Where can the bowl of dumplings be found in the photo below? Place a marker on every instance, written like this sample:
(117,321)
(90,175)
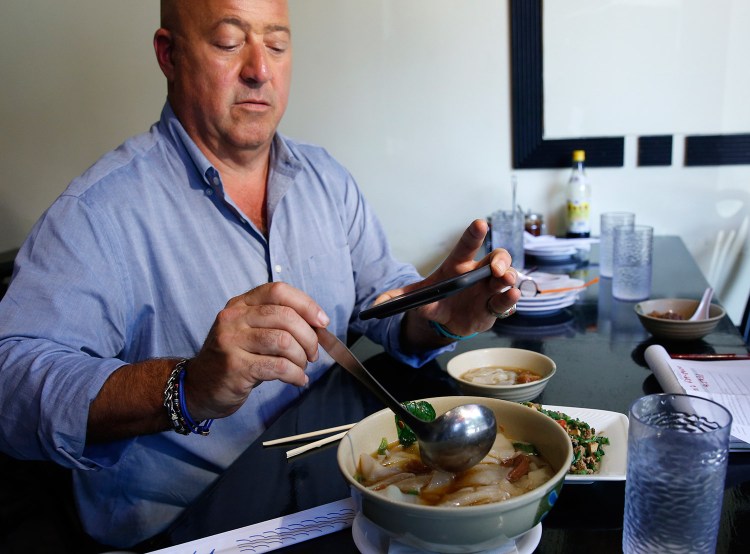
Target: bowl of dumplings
(500,500)
(512,374)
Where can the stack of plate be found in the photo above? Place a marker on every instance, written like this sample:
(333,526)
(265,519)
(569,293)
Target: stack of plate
(544,304)
(551,253)
(547,248)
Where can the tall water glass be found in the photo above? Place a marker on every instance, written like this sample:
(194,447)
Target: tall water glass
(632,253)
(607,223)
(677,462)
(507,227)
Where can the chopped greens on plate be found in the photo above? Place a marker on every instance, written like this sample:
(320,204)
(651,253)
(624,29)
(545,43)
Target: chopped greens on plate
(587,445)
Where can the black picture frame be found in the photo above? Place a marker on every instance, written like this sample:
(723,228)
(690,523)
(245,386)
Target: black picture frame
(532,151)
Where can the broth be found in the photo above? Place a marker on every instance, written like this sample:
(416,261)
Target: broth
(510,469)
(497,375)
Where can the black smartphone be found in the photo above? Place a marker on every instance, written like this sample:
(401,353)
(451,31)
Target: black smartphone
(425,295)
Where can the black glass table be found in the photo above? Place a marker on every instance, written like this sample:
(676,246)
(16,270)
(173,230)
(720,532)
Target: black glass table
(597,344)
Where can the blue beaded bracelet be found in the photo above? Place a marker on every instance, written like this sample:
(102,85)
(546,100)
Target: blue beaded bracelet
(443,331)
(198,429)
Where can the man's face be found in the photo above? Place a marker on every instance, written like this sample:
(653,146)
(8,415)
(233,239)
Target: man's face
(231,73)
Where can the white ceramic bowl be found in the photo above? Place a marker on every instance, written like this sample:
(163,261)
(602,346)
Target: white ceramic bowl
(674,329)
(503,357)
(469,528)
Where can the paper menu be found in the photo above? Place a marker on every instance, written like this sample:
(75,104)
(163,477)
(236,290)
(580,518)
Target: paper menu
(726,382)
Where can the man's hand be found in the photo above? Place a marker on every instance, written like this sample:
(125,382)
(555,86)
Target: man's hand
(472,310)
(263,335)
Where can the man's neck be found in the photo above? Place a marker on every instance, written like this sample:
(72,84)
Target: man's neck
(248,190)
(245,180)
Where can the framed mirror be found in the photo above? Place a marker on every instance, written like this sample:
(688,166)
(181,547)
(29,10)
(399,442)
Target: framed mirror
(533,149)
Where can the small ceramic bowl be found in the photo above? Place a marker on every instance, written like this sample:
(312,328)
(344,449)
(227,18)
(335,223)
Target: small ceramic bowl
(677,329)
(503,358)
(468,528)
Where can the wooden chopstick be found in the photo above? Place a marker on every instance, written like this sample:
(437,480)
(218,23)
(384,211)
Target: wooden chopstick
(309,435)
(312,445)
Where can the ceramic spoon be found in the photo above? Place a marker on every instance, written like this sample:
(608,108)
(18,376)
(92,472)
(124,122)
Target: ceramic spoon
(701,311)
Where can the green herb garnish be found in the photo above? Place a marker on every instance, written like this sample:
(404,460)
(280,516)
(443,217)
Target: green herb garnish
(419,409)
(526,447)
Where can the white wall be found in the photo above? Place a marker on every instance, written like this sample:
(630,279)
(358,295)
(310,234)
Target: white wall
(76,78)
(413,97)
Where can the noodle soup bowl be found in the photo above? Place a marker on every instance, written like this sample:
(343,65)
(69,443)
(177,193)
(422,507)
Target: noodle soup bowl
(466,528)
(518,358)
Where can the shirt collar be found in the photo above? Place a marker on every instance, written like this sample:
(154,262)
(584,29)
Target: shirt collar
(172,127)
(283,162)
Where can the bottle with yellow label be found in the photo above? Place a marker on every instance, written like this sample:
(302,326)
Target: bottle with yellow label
(578,199)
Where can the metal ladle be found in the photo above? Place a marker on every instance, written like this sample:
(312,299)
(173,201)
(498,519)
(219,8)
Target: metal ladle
(455,441)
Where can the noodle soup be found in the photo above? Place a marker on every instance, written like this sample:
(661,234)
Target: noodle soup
(512,374)
(509,469)
(498,375)
(469,528)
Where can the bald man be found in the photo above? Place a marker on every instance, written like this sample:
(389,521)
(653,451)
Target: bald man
(190,266)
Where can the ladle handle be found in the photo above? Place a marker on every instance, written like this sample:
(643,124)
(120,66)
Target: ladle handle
(344,357)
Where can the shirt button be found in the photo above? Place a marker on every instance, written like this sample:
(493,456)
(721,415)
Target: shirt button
(278,268)
(209,192)
(216,180)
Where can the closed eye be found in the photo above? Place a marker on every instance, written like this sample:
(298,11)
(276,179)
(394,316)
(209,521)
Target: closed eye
(229,47)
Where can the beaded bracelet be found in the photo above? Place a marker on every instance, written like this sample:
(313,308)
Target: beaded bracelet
(174,402)
(443,331)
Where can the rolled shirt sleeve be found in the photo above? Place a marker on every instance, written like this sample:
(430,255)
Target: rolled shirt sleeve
(63,331)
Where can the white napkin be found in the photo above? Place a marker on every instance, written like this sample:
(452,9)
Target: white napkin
(549,245)
(274,533)
(551,241)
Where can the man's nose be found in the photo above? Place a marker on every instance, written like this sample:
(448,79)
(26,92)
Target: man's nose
(255,67)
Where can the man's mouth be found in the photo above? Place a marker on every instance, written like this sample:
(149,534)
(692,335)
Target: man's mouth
(254,102)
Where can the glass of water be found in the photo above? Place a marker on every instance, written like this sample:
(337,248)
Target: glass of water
(632,254)
(507,227)
(677,462)
(608,222)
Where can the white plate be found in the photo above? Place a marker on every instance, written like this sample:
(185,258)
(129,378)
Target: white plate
(551,253)
(610,424)
(568,282)
(548,279)
(370,539)
(546,299)
(554,284)
(545,309)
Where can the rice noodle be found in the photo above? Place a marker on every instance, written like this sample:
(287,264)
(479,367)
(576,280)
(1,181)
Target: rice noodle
(505,472)
(471,496)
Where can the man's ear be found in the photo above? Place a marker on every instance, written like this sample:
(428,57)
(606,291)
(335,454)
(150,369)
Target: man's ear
(164,49)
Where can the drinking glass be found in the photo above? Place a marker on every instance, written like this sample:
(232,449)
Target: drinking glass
(608,222)
(677,462)
(632,253)
(507,232)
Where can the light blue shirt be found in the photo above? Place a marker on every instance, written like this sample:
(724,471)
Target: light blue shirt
(132,262)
